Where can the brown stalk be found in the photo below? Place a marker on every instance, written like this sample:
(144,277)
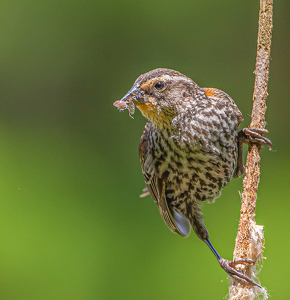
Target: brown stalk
(250,237)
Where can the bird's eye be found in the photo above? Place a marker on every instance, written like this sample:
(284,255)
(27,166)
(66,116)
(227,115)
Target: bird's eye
(160,85)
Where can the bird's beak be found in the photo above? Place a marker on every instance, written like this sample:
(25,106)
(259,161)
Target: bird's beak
(136,95)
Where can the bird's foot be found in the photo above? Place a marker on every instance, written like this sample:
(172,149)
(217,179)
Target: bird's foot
(229,267)
(247,136)
(255,135)
(145,192)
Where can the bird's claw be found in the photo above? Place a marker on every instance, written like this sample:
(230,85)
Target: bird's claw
(254,135)
(247,136)
(145,192)
(229,267)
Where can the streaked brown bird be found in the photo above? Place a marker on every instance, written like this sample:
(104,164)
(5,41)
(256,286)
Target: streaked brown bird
(190,149)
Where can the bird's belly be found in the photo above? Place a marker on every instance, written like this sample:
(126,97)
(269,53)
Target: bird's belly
(192,174)
(193,184)
(195,176)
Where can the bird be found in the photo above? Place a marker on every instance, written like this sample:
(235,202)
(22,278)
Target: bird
(190,150)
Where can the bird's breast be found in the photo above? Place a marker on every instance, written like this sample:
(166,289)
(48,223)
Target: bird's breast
(191,173)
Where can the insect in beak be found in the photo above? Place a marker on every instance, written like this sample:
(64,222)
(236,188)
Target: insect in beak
(134,96)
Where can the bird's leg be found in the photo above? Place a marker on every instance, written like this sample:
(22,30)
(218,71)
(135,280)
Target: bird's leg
(240,169)
(249,135)
(229,265)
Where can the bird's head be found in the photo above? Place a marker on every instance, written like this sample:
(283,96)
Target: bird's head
(160,95)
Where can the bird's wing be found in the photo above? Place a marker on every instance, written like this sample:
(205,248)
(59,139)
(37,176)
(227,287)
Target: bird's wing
(156,187)
(216,93)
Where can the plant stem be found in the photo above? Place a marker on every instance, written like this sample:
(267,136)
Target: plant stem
(250,238)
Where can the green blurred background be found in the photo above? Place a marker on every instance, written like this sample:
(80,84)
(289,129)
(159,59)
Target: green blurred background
(72,225)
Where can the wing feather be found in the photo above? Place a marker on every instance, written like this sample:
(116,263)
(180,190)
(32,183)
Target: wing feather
(156,186)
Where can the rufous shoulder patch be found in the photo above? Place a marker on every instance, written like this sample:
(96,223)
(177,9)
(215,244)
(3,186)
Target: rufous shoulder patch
(211,92)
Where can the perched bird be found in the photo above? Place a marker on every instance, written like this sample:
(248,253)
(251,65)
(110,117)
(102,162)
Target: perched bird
(190,149)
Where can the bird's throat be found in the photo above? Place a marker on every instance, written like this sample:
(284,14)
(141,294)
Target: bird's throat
(154,114)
